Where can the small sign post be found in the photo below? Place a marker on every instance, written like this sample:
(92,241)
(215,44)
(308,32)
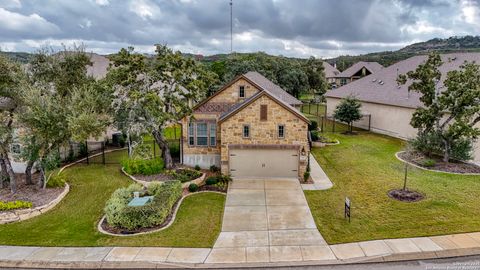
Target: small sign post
(347,208)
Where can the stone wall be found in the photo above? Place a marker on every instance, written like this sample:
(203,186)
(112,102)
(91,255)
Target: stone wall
(263,132)
(230,94)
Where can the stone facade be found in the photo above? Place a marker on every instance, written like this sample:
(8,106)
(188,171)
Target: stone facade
(205,156)
(264,132)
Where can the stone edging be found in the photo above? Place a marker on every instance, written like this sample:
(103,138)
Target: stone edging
(24,214)
(320,144)
(172,219)
(425,169)
(146,183)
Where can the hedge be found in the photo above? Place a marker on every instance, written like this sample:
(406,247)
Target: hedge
(120,215)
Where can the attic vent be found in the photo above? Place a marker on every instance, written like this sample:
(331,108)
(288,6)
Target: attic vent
(374,80)
(454,58)
(381,82)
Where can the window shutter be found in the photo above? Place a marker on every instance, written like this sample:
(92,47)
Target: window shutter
(263,112)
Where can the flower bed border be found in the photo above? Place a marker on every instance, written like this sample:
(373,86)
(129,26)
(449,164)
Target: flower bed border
(146,183)
(321,144)
(24,214)
(426,169)
(161,228)
(28,213)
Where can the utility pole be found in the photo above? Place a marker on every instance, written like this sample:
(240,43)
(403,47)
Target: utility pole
(231,26)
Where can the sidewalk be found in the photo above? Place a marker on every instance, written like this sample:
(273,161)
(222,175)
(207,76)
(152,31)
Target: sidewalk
(152,257)
(319,177)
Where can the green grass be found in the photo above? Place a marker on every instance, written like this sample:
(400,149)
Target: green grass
(314,109)
(364,168)
(73,222)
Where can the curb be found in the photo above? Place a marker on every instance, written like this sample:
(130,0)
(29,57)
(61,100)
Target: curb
(430,170)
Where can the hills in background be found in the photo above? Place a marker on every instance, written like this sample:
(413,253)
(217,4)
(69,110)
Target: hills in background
(386,58)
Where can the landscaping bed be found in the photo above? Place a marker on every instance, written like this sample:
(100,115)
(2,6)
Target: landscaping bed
(436,163)
(30,193)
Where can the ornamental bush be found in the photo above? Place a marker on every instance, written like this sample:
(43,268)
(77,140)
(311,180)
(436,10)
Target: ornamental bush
(193,187)
(120,215)
(57,180)
(5,206)
(212,180)
(143,166)
(185,175)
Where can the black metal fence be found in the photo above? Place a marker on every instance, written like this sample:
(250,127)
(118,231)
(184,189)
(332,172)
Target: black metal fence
(330,124)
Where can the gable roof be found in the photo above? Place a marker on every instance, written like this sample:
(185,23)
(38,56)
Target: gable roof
(330,71)
(373,67)
(262,83)
(382,88)
(267,85)
(248,101)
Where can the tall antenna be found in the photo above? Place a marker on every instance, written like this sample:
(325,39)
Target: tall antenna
(231,26)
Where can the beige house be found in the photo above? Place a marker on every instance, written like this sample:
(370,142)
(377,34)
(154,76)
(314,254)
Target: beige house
(391,106)
(249,128)
(331,72)
(357,71)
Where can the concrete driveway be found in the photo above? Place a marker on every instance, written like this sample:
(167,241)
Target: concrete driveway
(267,220)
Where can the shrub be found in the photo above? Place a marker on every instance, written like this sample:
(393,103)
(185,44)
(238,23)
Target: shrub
(197,167)
(120,215)
(313,125)
(462,149)
(212,180)
(143,166)
(185,175)
(57,180)
(214,169)
(142,151)
(314,135)
(174,149)
(306,175)
(224,178)
(193,187)
(428,163)
(5,206)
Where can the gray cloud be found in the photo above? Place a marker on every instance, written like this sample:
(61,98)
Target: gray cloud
(302,28)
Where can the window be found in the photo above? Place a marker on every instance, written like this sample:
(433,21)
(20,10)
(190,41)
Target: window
(246,131)
(241,91)
(281,131)
(191,136)
(202,137)
(213,134)
(263,112)
(343,81)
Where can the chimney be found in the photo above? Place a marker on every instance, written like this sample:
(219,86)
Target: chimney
(335,64)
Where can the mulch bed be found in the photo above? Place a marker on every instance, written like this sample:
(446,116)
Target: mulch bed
(213,188)
(440,165)
(162,177)
(405,195)
(30,193)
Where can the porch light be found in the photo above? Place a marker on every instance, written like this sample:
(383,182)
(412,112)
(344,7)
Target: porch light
(303,152)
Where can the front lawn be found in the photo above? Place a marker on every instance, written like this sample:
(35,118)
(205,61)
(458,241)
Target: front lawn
(364,168)
(73,222)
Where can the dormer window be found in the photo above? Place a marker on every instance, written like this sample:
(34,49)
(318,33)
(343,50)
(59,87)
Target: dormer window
(241,91)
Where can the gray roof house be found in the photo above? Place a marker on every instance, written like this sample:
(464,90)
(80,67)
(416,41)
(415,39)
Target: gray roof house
(389,104)
(357,71)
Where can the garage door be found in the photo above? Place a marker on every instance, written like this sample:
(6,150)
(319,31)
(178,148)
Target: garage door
(264,163)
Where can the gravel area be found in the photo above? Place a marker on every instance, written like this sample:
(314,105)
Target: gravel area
(31,193)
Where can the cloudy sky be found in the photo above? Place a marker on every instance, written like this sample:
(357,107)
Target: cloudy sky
(323,28)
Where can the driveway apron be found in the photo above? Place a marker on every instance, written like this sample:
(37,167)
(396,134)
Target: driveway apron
(264,221)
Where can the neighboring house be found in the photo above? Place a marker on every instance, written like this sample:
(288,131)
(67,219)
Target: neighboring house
(391,106)
(357,71)
(331,72)
(249,128)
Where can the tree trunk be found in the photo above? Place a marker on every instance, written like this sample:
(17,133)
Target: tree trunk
(4,174)
(446,154)
(28,172)
(42,183)
(9,170)
(162,142)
